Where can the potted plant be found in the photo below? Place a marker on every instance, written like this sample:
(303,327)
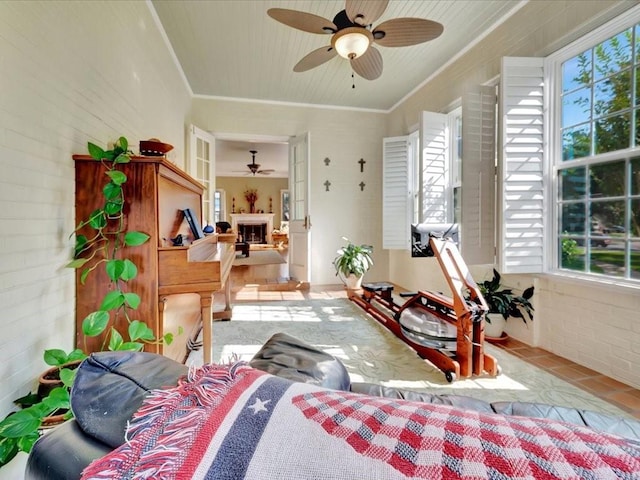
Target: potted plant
(503,303)
(352,262)
(100,241)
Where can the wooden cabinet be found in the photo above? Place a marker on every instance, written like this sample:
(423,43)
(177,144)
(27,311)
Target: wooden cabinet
(156,193)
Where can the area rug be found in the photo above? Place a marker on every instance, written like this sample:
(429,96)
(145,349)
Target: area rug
(259,257)
(373,354)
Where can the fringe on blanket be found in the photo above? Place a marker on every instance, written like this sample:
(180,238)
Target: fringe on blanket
(181,411)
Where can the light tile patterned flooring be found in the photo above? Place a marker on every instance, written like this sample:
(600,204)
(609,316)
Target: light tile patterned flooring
(608,389)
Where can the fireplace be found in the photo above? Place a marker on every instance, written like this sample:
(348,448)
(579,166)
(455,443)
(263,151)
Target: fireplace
(253,233)
(254,227)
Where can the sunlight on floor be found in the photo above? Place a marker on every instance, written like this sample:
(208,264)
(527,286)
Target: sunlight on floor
(302,313)
(371,353)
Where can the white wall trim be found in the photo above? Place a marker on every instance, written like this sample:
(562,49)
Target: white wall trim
(172,52)
(455,58)
(287,104)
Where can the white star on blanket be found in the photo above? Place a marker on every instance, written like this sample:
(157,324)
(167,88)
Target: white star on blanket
(259,406)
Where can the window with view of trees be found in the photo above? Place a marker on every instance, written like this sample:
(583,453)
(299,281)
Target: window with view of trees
(598,170)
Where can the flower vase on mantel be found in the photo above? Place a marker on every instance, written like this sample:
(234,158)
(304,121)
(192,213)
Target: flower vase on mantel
(252,208)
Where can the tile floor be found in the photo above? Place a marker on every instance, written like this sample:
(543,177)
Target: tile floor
(608,389)
(617,393)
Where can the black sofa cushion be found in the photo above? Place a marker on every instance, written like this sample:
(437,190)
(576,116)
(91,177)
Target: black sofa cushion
(110,386)
(288,357)
(459,401)
(63,453)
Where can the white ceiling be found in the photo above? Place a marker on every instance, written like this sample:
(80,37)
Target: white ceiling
(233,49)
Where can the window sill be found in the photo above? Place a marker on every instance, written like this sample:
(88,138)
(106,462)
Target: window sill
(608,283)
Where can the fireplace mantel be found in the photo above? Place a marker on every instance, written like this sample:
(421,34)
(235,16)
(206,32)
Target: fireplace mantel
(253,219)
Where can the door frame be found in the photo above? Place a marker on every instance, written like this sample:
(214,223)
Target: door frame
(260,138)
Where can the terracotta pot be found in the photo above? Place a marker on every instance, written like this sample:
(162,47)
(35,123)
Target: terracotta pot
(50,378)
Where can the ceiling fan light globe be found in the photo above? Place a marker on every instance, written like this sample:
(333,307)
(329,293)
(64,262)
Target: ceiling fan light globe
(351,42)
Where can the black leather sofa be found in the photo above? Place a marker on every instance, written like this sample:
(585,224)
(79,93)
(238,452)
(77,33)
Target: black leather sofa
(110,386)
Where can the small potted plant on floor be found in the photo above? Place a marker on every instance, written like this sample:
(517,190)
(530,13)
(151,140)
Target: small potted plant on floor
(352,262)
(503,303)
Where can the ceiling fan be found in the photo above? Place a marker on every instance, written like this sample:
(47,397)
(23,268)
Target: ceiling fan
(255,167)
(353,34)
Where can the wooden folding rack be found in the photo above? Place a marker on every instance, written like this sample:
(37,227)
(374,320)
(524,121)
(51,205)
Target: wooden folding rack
(465,309)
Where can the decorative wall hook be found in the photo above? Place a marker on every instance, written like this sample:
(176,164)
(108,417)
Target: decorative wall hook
(362,162)
(327,184)
(361,185)
(327,161)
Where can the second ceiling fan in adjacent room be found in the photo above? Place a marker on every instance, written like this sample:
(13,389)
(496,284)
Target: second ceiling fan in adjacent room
(254,168)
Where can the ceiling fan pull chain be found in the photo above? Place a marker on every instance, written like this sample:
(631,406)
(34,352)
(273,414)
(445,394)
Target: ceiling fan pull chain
(353,80)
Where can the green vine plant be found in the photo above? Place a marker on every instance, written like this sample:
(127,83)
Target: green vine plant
(109,236)
(101,249)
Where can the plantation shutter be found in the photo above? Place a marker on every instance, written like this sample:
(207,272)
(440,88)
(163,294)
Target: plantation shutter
(433,144)
(396,194)
(521,199)
(477,231)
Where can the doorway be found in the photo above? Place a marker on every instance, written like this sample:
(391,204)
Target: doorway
(250,166)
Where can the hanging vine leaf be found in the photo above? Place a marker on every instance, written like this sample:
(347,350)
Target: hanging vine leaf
(131,346)
(123,143)
(133,239)
(95,323)
(111,191)
(97,219)
(77,263)
(81,243)
(114,269)
(122,158)
(113,208)
(112,300)
(95,151)
(117,177)
(140,331)
(132,299)
(116,340)
(129,271)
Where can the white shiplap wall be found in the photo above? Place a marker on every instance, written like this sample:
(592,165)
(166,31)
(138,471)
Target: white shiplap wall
(69,72)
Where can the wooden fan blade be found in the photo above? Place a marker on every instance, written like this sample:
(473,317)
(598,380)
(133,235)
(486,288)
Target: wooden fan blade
(369,65)
(307,22)
(266,172)
(315,58)
(402,32)
(365,12)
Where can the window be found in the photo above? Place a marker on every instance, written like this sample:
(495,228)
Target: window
(455,163)
(439,167)
(202,168)
(219,208)
(428,178)
(596,159)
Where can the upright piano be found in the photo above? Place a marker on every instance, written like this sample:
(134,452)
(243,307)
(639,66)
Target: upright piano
(176,284)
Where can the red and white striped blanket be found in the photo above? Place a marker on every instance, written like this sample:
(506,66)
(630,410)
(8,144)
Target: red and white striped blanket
(234,422)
